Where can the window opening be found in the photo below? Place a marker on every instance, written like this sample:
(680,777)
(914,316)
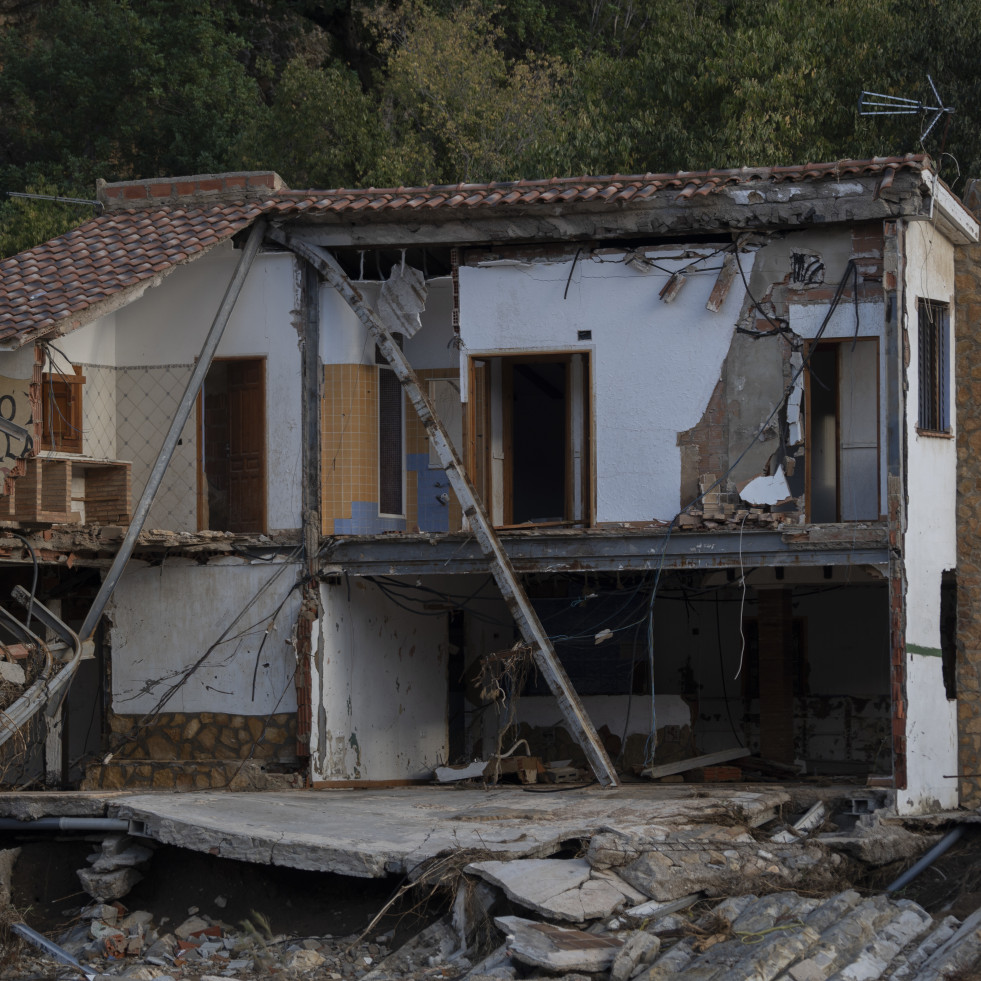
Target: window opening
(529,437)
(843,431)
(934,331)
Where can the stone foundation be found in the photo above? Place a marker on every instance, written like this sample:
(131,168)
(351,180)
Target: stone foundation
(184,736)
(183,776)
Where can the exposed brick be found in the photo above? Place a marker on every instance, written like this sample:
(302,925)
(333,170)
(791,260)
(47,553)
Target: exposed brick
(161,190)
(134,191)
(214,184)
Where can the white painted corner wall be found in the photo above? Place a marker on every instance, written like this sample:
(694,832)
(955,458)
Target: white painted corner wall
(930,544)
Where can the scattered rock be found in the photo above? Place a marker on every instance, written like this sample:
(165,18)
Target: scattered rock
(639,948)
(303,960)
(108,885)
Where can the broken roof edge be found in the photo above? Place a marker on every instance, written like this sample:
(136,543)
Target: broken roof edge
(951,215)
(195,190)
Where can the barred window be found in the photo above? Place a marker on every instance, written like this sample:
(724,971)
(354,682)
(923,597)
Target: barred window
(934,348)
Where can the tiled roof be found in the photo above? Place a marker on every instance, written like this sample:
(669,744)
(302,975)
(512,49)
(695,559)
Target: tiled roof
(102,258)
(615,190)
(75,275)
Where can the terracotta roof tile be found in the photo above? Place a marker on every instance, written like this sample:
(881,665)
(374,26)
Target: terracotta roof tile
(70,274)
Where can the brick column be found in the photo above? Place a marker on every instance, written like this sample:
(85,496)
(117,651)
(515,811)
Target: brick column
(967,319)
(776,675)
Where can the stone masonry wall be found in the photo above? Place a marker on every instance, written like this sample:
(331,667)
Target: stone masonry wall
(968,374)
(204,736)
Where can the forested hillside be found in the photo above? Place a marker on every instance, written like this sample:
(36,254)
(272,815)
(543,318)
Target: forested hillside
(363,92)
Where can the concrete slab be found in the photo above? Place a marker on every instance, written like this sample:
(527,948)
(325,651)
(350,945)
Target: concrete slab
(374,833)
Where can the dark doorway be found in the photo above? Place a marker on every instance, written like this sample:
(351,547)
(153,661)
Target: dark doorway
(538,441)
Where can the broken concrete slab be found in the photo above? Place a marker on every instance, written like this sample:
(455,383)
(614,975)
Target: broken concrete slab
(559,889)
(666,864)
(554,948)
(381,832)
(878,839)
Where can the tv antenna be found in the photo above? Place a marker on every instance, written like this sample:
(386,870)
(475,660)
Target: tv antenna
(880,104)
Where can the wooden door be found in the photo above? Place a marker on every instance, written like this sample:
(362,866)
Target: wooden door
(233,459)
(246,446)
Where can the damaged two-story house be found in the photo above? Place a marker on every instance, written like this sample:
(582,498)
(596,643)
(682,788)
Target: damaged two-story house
(633,468)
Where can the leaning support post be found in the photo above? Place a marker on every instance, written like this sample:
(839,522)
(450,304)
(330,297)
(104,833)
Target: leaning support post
(176,428)
(500,565)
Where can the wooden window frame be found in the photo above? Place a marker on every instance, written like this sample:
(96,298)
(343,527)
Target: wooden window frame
(933,337)
(67,435)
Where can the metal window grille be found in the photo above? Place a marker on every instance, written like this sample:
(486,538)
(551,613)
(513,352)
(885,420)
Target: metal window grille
(934,383)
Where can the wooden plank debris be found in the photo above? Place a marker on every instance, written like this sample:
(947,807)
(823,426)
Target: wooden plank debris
(811,821)
(694,763)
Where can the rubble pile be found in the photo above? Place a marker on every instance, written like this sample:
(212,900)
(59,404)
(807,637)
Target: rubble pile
(680,899)
(107,940)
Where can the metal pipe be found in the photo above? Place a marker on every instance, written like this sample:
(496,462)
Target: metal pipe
(176,428)
(65,824)
(928,859)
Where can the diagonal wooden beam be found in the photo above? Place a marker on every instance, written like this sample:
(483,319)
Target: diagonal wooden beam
(500,565)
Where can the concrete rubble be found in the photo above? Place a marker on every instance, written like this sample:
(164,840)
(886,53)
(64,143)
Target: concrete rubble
(749,895)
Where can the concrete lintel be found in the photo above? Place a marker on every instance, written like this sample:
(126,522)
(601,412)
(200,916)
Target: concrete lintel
(745,207)
(457,553)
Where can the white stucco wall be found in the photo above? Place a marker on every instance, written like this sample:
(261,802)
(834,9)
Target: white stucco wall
(168,325)
(164,618)
(152,344)
(653,364)
(379,688)
(930,544)
(344,339)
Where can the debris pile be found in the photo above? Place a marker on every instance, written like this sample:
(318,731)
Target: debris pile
(742,896)
(107,940)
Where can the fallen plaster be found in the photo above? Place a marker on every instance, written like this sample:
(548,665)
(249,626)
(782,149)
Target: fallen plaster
(765,490)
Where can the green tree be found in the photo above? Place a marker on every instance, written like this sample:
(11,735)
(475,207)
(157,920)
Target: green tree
(456,108)
(111,89)
(320,130)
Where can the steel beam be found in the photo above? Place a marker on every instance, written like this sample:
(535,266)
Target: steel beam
(176,428)
(504,574)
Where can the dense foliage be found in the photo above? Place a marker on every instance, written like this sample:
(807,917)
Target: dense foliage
(361,92)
